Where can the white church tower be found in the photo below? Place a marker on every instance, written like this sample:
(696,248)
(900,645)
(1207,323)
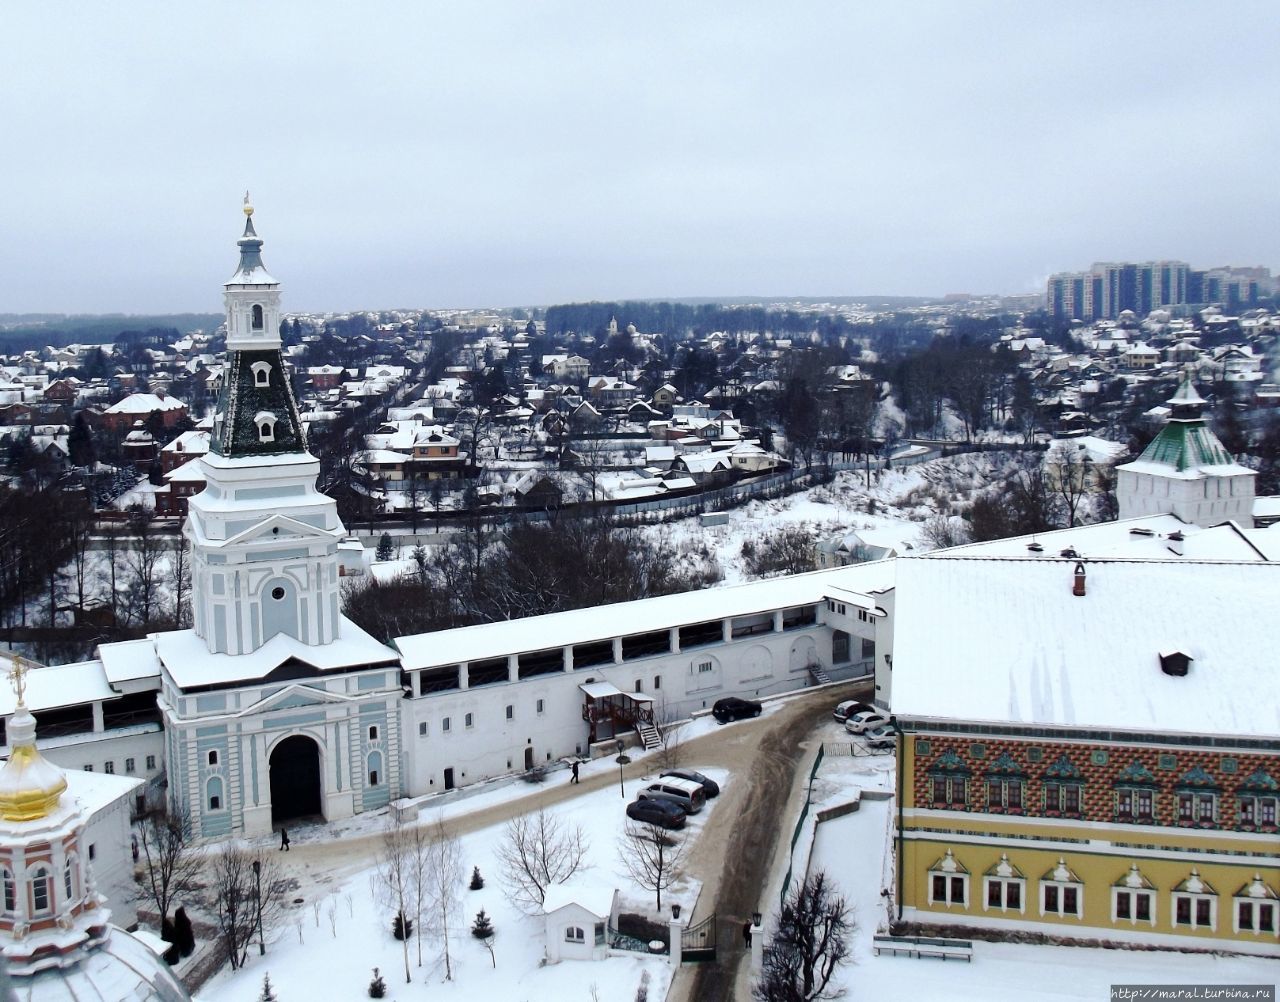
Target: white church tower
(263,539)
(1186,471)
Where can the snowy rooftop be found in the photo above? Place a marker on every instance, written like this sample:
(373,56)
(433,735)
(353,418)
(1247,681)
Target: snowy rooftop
(128,660)
(145,403)
(190,664)
(1005,640)
(595,898)
(583,626)
(60,685)
(1147,537)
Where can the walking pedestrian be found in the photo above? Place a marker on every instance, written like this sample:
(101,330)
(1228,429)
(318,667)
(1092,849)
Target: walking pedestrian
(284,839)
(575,771)
(746,935)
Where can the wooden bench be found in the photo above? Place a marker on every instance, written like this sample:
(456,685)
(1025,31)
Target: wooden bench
(922,946)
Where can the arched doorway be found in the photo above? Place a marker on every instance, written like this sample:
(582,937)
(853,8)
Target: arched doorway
(295,779)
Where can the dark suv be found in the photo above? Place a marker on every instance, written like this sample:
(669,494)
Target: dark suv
(664,813)
(733,708)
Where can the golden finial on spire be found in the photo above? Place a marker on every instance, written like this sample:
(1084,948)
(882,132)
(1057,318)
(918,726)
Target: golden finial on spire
(18,677)
(248,206)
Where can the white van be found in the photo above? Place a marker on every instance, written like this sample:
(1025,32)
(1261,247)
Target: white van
(684,792)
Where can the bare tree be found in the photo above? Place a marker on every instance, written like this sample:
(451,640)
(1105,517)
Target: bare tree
(171,867)
(443,878)
(395,875)
(811,941)
(419,877)
(536,851)
(181,577)
(668,722)
(111,536)
(1070,472)
(249,896)
(652,856)
(142,563)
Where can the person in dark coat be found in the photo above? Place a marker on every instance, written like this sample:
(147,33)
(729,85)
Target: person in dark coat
(575,771)
(284,839)
(746,935)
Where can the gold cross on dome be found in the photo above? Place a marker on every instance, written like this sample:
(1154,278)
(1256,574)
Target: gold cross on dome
(18,677)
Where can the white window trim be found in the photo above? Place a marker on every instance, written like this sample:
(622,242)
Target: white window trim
(1253,904)
(1193,898)
(1004,894)
(1133,909)
(1063,885)
(575,934)
(948,902)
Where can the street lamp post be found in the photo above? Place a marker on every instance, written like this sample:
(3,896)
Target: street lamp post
(257,904)
(622,760)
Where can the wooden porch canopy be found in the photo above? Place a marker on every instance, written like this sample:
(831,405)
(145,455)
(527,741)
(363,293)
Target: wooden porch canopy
(609,711)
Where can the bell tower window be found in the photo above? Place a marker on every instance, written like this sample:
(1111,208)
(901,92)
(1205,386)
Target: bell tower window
(265,422)
(261,373)
(256,320)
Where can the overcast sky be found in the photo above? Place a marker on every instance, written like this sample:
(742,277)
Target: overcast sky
(471,153)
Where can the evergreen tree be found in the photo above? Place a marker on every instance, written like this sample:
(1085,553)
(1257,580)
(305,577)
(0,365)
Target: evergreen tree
(80,442)
(482,927)
(477,881)
(401,926)
(184,936)
(384,550)
(377,987)
(268,995)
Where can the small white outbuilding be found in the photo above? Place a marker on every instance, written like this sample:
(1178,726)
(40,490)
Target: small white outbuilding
(578,917)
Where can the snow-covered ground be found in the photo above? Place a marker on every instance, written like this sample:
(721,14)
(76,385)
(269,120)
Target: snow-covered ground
(338,965)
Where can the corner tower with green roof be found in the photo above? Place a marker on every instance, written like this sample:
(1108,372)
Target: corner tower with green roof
(263,539)
(1186,471)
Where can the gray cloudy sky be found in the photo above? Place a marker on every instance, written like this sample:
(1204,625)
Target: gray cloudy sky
(485,153)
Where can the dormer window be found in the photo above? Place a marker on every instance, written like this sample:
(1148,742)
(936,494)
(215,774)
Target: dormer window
(256,322)
(265,422)
(261,373)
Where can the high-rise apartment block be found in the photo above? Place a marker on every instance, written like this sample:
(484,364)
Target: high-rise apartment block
(1109,288)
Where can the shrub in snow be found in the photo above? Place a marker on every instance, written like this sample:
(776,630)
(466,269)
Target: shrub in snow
(402,926)
(477,881)
(482,927)
(267,994)
(377,987)
(384,550)
(184,936)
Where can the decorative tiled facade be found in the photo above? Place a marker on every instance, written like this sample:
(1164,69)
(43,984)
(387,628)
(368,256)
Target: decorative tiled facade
(1100,772)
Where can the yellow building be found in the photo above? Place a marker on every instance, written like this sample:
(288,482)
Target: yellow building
(1089,748)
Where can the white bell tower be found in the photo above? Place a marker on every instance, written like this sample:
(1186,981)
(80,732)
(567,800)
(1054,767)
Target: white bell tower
(263,539)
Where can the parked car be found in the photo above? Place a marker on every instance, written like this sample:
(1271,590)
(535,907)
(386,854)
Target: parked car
(709,786)
(880,738)
(733,708)
(864,720)
(851,706)
(657,811)
(684,792)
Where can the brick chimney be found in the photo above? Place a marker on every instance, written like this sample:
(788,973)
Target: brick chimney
(1077,587)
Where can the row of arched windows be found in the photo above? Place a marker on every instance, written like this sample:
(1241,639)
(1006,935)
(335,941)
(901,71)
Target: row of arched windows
(37,884)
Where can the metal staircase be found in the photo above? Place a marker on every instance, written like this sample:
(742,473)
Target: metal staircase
(819,675)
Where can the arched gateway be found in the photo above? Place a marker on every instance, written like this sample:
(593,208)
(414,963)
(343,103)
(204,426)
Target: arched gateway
(295,779)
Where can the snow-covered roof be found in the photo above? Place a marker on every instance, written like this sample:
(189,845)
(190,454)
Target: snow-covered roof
(190,472)
(1005,640)
(190,665)
(595,898)
(145,403)
(1146,537)
(60,685)
(583,626)
(128,660)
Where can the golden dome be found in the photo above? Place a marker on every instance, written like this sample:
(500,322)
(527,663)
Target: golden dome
(30,785)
